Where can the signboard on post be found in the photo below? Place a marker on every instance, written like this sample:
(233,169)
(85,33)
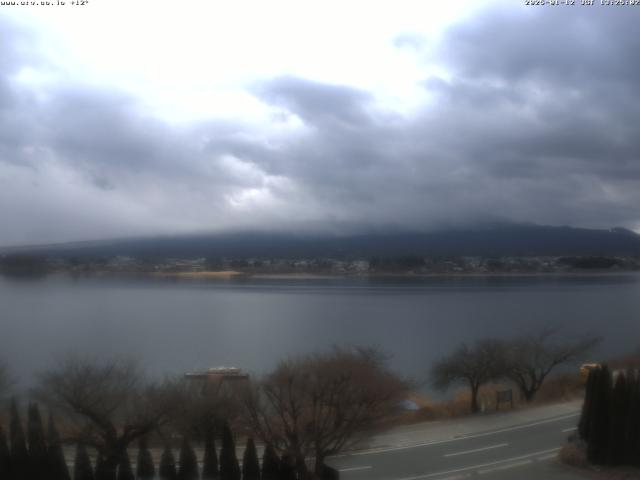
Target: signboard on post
(504,396)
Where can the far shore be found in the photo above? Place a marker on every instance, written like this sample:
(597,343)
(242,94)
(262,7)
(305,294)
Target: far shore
(222,274)
(203,274)
(303,276)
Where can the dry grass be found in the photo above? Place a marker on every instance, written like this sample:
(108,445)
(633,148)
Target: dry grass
(561,387)
(206,274)
(459,405)
(572,454)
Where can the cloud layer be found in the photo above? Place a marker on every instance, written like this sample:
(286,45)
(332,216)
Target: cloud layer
(533,119)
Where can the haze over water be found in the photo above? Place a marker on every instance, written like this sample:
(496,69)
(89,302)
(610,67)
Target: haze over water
(175,326)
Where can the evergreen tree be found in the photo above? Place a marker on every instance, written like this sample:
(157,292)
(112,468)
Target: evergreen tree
(4,455)
(329,473)
(632,449)
(619,416)
(107,466)
(82,469)
(250,463)
(167,469)
(270,464)
(599,424)
(55,455)
(210,459)
(188,462)
(101,472)
(125,472)
(145,470)
(587,405)
(38,467)
(229,468)
(19,460)
(287,468)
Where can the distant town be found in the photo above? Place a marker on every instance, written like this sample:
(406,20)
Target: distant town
(398,265)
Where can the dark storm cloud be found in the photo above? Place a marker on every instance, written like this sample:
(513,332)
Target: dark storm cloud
(316,103)
(535,120)
(567,46)
(80,161)
(558,93)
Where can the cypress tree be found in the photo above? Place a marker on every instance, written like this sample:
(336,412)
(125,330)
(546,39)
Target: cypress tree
(82,469)
(587,405)
(145,470)
(287,468)
(167,469)
(107,466)
(329,473)
(4,455)
(55,455)
(38,467)
(597,447)
(619,416)
(632,450)
(19,460)
(101,472)
(229,468)
(188,462)
(250,463)
(125,472)
(270,464)
(210,459)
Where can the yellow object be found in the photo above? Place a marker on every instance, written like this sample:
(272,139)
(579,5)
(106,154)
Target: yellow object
(587,367)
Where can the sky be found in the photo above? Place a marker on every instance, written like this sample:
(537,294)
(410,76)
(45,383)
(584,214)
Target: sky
(132,118)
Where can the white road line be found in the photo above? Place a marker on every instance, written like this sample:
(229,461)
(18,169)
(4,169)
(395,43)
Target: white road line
(519,427)
(476,450)
(484,465)
(569,429)
(375,451)
(548,457)
(505,467)
(355,469)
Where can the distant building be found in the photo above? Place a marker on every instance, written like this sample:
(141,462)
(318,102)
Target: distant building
(213,378)
(226,373)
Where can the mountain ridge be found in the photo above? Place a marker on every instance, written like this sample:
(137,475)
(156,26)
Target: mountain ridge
(503,240)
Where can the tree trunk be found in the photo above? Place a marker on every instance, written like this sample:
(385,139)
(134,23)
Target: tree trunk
(475,408)
(111,461)
(528,391)
(528,394)
(107,470)
(301,468)
(319,465)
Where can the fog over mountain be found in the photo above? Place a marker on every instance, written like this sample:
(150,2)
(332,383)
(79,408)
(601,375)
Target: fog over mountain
(503,114)
(495,240)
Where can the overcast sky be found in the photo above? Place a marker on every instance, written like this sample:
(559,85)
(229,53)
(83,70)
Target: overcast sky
(141,117)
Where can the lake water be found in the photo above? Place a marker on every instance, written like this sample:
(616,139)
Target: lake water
(175,326)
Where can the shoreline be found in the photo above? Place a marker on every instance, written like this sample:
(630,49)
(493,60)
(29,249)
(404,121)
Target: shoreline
(328,276)
(203,274)
(302,276)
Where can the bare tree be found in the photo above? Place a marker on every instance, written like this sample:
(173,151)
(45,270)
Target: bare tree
(530,359)
(108,403)
(201,409)
(473,365)
(319,405)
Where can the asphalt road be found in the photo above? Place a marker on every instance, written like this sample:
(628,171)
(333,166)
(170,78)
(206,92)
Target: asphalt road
(519,450)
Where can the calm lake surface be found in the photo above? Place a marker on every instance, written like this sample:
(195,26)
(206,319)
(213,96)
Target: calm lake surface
(175,326)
